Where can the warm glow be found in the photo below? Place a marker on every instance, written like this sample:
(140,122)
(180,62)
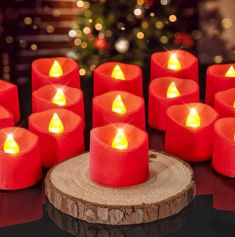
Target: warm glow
(118,106)
(172,91)
(193,120)
(10,146)
(56,70)
(117,73)
(230,72)
(56,125)
(59,98)
(120,141)
(234,104)
(174,63)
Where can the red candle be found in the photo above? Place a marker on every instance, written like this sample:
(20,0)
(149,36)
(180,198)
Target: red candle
(61,70)
(223,160)
(219,77)
(58,96)
(9,99)
(189,131)
(20,164)
(21,206)
(175,63)
(167,91)
(118,155)
(118,76)
(60,134)
(6,118)
(225,103)
(118,106)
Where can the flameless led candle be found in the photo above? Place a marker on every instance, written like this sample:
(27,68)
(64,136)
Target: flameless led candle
(118,76)
(219,77)
(6,118)
(118,106)
(225,103)
(174,63)
(118,155)
(167,91)
(9,99)
(20,164)
(58,96)
(223,160)
(60,134)
(61,70)
(189,131)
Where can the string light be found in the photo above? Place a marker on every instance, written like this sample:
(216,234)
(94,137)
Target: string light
(80,4)
(140,35)
(172,18)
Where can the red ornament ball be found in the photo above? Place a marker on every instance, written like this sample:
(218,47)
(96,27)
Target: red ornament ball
(101,43)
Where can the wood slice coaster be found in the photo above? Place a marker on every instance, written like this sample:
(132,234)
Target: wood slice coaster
(169,189)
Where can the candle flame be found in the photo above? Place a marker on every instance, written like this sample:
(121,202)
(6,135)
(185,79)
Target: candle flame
(120,141)
(118,106)
(172,91)
(234,104)
(230,72)
(173,62)
(193,120)
(59,98)
(56,70)
(10,146)
(56,125)
(117,73)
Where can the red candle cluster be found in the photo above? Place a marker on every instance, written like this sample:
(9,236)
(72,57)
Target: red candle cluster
(118,155)
(174,63)
(118,76)
(167,91)
(118,106)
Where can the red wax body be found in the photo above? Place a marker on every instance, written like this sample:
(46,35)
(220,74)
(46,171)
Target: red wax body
(223,160)
(23,169)
(103,82)
(158,102)
(102,109)
(216,81)
(9,99)
(190,144)
(189,65)
(118,168)
(41,99)
(224,101)
(55,148)
(41,68)
(6,118)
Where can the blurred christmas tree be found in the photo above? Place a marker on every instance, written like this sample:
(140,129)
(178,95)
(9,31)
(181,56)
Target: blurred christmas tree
(128,31)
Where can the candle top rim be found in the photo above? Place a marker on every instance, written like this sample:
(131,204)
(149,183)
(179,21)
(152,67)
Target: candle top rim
(162,54)
(6,85)
(5,113)
(37,67)
(219,129)
(76,93)
(219,98)
(198,106)
(219,70)
(131,146)
(97,101)
(30,146)
(155,82)
(62,112)
(126,68)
